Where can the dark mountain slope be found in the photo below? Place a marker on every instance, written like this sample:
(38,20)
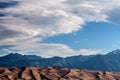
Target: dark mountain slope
(108,62)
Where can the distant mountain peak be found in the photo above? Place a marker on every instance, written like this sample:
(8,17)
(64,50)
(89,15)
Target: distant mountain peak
(14,54)
(117,51)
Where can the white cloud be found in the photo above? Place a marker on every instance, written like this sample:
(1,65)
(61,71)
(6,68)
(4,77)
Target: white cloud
(32,18)
(113,15)
(90,51)
(28,19)
(50,50)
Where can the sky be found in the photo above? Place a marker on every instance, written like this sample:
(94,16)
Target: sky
(59,27)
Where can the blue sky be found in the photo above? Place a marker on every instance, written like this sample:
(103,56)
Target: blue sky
(59,27)
(94,35)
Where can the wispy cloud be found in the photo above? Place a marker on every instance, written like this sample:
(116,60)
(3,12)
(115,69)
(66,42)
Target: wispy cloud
(50,50)
(24,20)
(90,51)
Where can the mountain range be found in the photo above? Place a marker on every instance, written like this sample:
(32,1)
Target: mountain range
(106,62)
